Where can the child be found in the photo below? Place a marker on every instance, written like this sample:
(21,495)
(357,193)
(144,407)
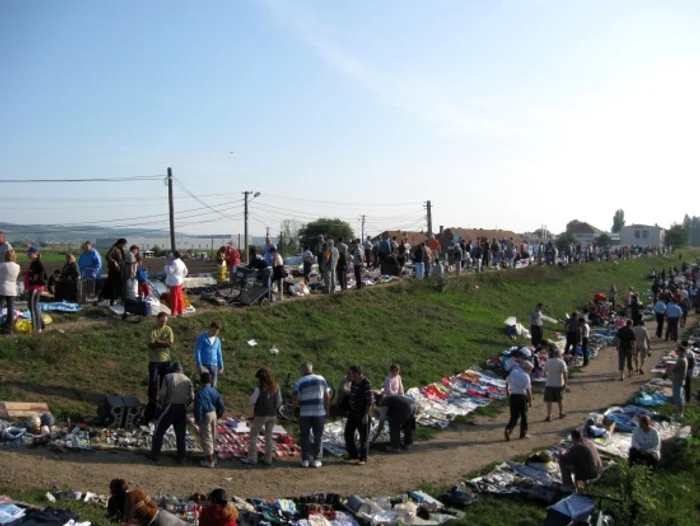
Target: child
(393,385)
(142,279)
(53,279)
(208,408)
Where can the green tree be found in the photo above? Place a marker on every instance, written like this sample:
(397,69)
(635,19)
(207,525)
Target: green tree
(603,240)
(618,221)
(563,241)
(677,236)
(334,228)
(543,233)
(288,238)
(571,224)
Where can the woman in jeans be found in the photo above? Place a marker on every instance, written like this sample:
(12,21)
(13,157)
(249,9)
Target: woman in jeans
(9,270)
(34,283)
(267,399)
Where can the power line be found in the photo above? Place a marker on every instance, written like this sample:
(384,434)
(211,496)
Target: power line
(88,180)
(178,183)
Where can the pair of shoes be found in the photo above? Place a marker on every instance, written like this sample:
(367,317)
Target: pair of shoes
(548,419)
(207,464)
(390,449)
(317,464)
(152,457)
(304,463)
(506,434)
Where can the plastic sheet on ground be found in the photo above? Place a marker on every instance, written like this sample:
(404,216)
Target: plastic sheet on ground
(60,306)
(334,436)
(139,439)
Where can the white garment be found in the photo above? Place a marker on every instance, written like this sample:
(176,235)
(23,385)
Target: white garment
(648,440)
(555,368)
(175,273)
(519,381)
(9,270)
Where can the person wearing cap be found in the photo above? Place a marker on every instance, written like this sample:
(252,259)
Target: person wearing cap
(536,325)
(34,283)
(519,390)
(642,346)
(175,395)
(207,352)
(175,274)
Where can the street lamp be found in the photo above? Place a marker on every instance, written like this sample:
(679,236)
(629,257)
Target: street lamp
(245,226)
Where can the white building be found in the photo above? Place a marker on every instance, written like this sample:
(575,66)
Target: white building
(642,236)
(585,233)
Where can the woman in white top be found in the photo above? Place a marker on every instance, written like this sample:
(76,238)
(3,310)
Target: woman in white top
(646,446)
(9,271)
(278,270)
(175,274)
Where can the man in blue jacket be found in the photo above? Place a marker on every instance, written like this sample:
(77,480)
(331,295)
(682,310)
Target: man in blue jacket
(207,352)
(208,409)
(90,262)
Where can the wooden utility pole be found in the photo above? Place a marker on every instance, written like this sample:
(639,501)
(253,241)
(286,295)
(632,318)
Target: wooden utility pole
(363,227)
(171,205)
(429,208)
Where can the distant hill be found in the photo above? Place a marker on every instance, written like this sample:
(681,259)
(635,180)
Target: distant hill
(73,233)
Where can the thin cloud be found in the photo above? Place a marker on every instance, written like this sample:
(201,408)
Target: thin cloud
(415,96)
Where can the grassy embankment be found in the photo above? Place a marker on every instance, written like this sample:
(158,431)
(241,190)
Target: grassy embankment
(431,328)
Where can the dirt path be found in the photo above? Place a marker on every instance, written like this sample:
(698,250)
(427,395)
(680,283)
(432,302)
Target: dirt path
(443,460)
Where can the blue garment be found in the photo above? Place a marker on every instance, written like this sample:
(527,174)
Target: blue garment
(673,311)
(311,389)
(207,354)
(207,400)
(659,307)
(141,274)
(267,252)
(90,264)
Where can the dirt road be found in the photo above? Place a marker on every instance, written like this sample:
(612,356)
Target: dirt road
(443,460)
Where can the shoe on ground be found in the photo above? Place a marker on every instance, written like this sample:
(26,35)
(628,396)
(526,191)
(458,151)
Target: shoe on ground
(207,464)
(548,419)
(525,436)
(304,463)
(361,462)
(317,464)
(506,434)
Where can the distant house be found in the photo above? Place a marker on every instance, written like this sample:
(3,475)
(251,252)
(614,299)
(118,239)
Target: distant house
(471,234)
(642,236)
(584,233)
(413,238)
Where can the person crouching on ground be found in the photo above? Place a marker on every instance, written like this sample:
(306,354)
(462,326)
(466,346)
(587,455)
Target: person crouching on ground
(519,389)
(220,511)
(266,399)
(646,445)
(174,397)
(581,463)
(208,408)
(401,413)
(134,506)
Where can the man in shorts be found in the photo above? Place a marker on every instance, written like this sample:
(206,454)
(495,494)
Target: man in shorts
(557,377)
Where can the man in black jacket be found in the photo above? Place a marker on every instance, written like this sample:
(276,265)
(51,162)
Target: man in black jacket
(360,402)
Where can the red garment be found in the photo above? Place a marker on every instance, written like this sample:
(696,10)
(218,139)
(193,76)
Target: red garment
(233,257)
(176,304)
(213,515)
(144,289)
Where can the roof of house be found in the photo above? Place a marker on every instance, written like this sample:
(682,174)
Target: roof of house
(584,228)
(413,238)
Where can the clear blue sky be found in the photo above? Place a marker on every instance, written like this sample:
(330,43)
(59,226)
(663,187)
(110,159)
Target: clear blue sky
(507,114)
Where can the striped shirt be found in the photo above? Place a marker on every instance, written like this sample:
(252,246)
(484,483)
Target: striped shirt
(310,389)
(177,389)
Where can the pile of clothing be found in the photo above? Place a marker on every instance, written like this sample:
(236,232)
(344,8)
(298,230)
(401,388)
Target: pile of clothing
(17,513)
(535,478)
(233,441)
(456,396)
(139,439)
(63,437)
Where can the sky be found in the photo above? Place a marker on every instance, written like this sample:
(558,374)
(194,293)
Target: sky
(504,114)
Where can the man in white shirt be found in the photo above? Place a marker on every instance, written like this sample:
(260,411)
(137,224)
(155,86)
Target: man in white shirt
(660,313)
(584,331)
(519,389)
(557,377)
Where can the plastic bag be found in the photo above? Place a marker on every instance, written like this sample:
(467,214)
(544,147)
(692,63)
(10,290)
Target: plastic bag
(222,277)
(23,326)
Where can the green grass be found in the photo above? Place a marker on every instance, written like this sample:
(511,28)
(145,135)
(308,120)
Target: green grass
(431,328)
